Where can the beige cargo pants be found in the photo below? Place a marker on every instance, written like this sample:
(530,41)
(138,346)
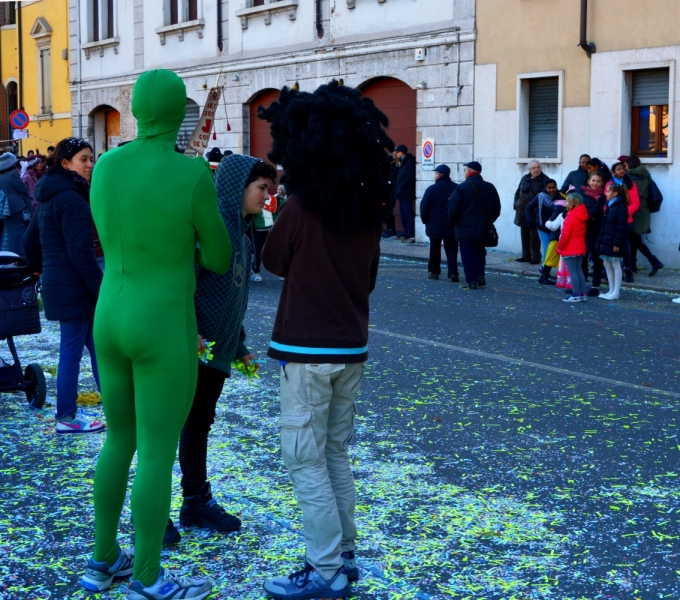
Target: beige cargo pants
(317,424)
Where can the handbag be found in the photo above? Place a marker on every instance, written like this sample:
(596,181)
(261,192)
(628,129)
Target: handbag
(491,240)
(552,259)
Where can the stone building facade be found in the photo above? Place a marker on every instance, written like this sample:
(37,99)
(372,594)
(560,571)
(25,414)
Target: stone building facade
(414,57)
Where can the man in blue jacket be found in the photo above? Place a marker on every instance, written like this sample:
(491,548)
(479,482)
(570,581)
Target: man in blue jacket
(578,177)
(473,207)
(435,216)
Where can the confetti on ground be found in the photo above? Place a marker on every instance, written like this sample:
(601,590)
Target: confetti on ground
(477,479)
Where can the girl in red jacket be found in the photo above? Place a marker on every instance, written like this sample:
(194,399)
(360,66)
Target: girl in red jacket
(572,245)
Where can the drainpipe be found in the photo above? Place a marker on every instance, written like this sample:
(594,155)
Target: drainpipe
(220,45)
(80,74)
(589,47)
(21,68)
(319,23)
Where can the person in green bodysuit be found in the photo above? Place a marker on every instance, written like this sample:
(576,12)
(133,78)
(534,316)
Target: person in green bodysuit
(156,213)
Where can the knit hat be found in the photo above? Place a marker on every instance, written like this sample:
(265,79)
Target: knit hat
(215,155)
(7,161)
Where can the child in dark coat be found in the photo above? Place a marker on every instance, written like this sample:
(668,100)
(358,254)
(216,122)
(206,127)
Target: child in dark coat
(611,242)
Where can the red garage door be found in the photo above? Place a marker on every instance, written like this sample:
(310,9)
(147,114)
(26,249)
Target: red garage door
(260,137)
(398,101)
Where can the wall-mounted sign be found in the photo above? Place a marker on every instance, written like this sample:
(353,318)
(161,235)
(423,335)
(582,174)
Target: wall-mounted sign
(420,53)
(20,134)
(19,119)
(428,155)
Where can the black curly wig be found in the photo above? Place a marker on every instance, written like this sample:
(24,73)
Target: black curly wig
(332,147)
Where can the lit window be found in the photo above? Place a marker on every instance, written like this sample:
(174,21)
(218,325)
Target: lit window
(650,112)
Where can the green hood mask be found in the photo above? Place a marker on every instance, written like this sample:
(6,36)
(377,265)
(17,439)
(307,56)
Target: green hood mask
(159,104)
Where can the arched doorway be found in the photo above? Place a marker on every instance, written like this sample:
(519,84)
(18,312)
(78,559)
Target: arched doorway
(398,101)
(5,133)
(260,135)
(105,129)
(191,119)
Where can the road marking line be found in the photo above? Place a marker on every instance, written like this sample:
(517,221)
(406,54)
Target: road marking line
(526,363)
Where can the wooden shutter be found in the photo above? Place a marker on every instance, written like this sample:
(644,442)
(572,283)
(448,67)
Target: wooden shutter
(110,32)
(651,87)
(543,117)
(45,81)
(95,20)
(193,10)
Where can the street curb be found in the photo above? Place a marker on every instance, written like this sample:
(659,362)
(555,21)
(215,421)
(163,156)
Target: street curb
(500,269)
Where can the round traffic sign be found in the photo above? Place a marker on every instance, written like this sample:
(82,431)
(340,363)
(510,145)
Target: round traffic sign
(19,119)
(428,149)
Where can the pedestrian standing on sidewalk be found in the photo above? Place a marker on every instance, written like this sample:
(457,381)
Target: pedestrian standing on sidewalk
(612,238)
(594,200)
(531,184)
(642,218)
(540,210)
(473,208)
(59,243)
(619,176)
(405,191)
(16,206)
(434,214)
(572,245)
(388,206)
(329,226)
(578,177)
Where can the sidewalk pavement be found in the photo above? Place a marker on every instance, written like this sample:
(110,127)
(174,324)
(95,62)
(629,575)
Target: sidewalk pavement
(666,280)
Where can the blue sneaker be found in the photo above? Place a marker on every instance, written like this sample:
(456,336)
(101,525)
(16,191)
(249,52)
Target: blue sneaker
(99,576)
(170,585)
(307,584)
(349,561)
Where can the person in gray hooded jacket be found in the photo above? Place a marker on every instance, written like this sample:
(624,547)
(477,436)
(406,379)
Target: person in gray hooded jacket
(221,300)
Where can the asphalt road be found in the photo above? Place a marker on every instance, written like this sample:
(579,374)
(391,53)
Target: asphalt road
(508,445)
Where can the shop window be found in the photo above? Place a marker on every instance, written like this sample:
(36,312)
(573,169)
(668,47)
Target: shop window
(650,114)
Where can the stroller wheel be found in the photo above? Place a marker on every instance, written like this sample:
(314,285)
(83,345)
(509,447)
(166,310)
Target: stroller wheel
(36,389)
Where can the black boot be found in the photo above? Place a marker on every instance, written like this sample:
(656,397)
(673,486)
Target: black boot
(544,279)
(656,265)
(628,276)
(203,511)
(171,536)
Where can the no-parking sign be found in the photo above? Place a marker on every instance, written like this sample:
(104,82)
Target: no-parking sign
(19,119)
(428,155)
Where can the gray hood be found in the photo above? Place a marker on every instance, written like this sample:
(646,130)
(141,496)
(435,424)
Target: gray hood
(221,300)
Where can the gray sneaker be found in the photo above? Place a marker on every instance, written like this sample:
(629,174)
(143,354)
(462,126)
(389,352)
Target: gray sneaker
(99,576)
(170,585)
(307,584)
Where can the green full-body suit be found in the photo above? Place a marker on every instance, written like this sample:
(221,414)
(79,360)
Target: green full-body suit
(151,207)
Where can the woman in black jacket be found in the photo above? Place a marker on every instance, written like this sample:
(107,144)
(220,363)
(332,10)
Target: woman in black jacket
(59,242)
(611,242)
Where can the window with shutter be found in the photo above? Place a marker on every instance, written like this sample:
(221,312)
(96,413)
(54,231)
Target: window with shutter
(45,82)
(543,117)
(110,33)
(95,20)
(193,10)
(650,100)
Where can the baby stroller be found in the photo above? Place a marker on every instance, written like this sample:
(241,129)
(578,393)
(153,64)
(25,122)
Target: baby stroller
(19,315)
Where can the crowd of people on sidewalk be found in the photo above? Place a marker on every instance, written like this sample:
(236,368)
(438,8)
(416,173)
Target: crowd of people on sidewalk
(590,227)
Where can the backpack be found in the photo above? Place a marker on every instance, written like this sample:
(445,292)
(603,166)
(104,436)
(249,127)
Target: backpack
(654,196)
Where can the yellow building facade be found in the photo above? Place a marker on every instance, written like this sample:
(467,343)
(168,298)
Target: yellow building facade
(34,71)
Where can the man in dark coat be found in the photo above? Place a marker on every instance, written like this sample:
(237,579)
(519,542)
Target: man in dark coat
(15,206)
(531,184)
(577,178)
(435,216)
(405,192)
(473,207)
(388,206)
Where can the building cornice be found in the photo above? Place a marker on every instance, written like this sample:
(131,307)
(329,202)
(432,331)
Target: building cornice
(340,51)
